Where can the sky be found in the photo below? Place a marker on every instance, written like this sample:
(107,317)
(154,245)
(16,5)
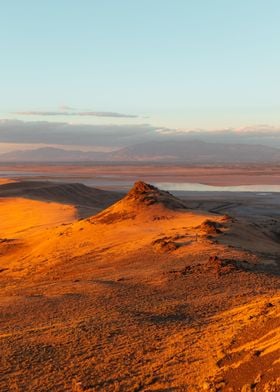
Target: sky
(180,64)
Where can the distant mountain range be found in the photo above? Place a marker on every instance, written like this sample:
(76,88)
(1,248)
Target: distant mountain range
(50,154)
(190,151)
(197,151)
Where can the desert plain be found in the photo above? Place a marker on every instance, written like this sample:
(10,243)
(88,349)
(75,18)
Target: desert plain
(139,289)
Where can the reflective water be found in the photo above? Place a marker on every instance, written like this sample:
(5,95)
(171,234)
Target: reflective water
(186,186)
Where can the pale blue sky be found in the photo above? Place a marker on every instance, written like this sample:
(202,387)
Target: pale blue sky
(180,63)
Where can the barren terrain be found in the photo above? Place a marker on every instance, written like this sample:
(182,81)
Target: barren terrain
(153,293)
(122,175)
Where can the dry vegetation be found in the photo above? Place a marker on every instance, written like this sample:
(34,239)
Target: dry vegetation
(148,295)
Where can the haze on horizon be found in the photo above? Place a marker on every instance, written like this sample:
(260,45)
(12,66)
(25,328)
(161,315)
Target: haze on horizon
(121,68)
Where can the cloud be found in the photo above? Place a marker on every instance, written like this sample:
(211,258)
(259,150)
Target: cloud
(16,131)
(113,135)
(72,112)
(107,114)
(262,130)
(253,134)
(253,131)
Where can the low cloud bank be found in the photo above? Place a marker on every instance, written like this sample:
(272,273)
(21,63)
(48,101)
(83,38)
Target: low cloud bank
(112,135)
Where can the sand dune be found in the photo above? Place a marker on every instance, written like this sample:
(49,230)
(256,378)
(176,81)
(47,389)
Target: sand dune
(147,295)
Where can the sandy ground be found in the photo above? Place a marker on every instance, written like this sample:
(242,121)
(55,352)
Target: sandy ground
(20,217)
(145,296)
